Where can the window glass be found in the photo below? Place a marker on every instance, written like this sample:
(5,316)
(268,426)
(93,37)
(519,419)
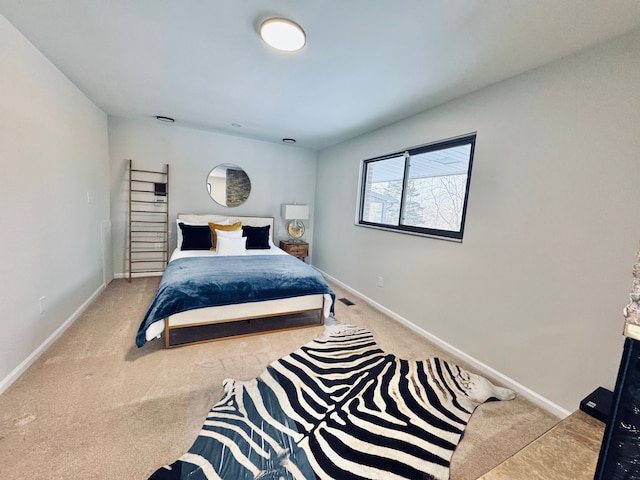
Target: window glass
(436,188)
(384,191)
(423,190)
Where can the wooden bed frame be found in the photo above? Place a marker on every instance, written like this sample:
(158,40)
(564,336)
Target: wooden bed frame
(216,323)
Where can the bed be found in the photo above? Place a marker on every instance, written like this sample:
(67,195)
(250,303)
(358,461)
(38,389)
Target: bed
(245,286)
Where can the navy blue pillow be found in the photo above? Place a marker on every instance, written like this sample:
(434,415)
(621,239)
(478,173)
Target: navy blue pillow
(257,237)
(195,237)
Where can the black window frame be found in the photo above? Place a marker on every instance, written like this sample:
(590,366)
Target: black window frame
(468,139)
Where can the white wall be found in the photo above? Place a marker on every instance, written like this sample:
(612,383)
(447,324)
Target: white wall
(278,173)
(54,152)
(537,288)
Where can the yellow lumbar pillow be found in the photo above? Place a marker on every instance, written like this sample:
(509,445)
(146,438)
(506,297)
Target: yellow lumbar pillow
(226,228)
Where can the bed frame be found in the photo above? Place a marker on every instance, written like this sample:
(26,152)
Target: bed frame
(216,323)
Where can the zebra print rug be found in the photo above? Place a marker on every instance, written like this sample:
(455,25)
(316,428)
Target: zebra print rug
(337,408)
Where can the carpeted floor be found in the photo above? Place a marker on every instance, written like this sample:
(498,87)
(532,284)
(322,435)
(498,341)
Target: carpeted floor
(96,407)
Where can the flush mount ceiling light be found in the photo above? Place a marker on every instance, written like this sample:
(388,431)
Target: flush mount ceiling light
(162,118)
(289,140)
(282,34)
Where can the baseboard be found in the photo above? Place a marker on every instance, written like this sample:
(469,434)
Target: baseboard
(20,369)
(482,368)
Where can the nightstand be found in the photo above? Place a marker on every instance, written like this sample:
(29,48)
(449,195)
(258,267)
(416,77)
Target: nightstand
(297,249)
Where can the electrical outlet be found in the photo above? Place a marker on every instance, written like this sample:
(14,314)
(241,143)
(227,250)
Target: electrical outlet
(41,304)
(380,281)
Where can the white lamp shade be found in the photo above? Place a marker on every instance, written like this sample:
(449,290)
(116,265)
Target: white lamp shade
(294,212)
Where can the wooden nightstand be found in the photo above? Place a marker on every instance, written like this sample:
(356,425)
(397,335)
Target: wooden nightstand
(297,249)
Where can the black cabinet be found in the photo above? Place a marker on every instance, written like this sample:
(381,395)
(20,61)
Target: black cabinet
(619,457)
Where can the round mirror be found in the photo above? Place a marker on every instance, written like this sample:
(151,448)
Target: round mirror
(228,185)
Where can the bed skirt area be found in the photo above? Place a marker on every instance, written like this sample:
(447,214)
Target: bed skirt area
(216,323)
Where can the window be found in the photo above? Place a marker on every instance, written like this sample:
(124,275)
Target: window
(422,190)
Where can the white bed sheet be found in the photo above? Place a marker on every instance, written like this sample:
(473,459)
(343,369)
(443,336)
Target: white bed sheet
(177,253)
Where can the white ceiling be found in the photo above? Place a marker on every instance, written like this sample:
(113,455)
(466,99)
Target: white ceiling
(367,63)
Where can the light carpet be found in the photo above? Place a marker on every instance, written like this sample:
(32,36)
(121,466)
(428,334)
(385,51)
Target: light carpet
(94,406)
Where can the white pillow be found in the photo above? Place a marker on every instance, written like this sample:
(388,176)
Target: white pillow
(231,246)
(228,233)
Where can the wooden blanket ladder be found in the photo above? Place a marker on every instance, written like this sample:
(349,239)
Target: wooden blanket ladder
(148,246)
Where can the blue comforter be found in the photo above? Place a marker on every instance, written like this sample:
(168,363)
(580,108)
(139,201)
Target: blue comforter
(191,283)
